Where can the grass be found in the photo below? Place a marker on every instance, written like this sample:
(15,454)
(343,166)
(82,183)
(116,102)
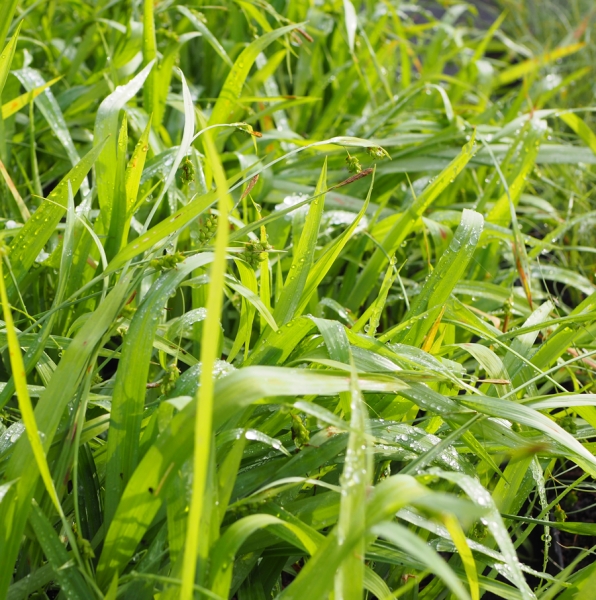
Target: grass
(298,299)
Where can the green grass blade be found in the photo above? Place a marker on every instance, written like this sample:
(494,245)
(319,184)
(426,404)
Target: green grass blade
(106,127)
(222,559)
(149,55)
(495,524)
(7,10)
(31,239)
(49,107)
(404,226)
(321,267)
(440,284)
(128,396)
(48,413)
(527,67)
(405,539)
(7,54)
(25,405)
(355,480)
(12,107)
(204,415)
(226,103)
(72,582)
(185,144)
(285,308)
(144,494)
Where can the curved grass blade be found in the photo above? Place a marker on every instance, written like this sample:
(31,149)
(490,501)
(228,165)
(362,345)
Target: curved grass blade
(405,539)
(519,413)
(222,557)
(494,522)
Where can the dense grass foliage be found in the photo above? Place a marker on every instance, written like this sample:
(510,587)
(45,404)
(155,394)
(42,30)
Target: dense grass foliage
(298,300)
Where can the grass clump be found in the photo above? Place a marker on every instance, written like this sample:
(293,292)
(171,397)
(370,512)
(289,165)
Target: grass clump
(298,301)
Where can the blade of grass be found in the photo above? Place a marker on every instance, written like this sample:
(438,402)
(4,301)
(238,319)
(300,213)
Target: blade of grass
(404,225)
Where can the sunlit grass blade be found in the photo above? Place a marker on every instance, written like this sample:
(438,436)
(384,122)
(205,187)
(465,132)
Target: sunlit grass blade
(8,50)
(528,66)
(12,107)
(205,397)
